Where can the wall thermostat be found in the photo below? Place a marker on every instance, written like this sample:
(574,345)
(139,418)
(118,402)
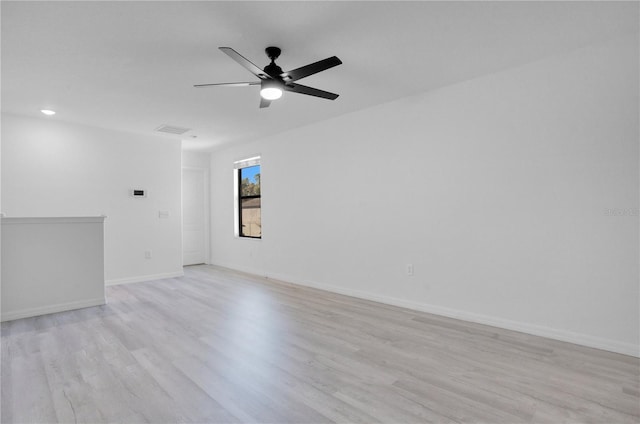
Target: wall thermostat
(136,192)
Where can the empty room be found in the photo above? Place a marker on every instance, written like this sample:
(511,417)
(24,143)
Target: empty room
(448,230)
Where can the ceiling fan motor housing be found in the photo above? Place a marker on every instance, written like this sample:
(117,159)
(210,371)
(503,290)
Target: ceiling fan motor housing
(273,70)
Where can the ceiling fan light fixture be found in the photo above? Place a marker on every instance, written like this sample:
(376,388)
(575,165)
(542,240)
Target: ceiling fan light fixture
(270,92)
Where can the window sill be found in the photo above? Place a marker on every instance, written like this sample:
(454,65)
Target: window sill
(249,238)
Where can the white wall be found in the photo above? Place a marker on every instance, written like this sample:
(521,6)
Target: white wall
(200,160)
(51,265)
(51,168)
(496,189)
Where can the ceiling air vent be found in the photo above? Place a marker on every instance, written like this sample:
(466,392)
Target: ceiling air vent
(170,129)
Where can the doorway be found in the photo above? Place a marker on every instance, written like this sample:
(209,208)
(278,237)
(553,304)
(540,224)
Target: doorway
(195,214)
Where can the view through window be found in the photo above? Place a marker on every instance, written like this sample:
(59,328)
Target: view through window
(249,205)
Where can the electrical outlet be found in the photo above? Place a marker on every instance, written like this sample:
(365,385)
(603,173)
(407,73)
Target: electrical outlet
(409,269)
(148,254)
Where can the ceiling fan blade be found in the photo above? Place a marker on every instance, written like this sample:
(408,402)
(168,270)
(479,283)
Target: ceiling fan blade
(303,89)
(311,69)
(264,102)
(230,84)
(245,62)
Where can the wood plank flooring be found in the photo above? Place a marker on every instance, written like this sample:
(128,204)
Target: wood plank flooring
(218,346)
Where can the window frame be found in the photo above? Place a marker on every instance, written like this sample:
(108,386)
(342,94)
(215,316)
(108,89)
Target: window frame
(240,233)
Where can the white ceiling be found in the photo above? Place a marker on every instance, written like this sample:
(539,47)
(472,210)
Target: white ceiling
(130,66)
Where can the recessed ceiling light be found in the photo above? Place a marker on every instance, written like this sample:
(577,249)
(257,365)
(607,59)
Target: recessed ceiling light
(48,112)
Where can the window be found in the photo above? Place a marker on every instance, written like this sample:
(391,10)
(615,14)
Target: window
(249,210)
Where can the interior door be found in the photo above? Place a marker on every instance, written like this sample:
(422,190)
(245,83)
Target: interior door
(194,215)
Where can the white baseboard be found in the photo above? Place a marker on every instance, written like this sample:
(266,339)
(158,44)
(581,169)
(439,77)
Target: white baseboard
(523,327)
(141,278)
(51,309)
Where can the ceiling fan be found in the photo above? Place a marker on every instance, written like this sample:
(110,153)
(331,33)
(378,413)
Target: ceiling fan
(273,80)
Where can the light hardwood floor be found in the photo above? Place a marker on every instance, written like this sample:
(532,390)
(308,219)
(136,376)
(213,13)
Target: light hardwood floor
(220,346)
